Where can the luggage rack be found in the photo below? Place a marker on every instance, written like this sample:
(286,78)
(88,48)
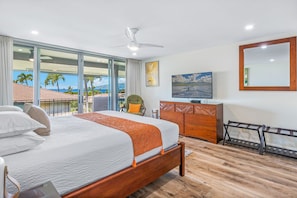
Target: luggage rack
(279,150)
(254,127)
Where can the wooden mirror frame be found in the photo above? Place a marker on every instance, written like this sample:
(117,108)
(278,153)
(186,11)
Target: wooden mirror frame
(292,87)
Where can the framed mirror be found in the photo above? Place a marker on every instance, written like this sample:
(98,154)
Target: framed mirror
(268,65)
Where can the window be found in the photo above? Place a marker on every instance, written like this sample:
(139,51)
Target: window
(22,75)
(120,78)
(58,82)
(96,84)
(64,81)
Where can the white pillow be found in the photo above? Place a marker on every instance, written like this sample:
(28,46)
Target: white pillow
(19,143)
(10,108)
(38,114)
(16,122)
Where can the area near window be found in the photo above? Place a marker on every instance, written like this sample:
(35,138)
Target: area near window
(65,82)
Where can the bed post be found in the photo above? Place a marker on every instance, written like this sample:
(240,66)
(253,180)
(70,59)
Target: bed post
(182,160)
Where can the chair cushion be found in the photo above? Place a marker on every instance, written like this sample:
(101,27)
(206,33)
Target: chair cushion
(134,108)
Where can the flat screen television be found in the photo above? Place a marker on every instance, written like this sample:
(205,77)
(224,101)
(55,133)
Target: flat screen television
(195,85)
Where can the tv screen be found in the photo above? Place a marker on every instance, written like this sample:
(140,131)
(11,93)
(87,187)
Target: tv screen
(196,85)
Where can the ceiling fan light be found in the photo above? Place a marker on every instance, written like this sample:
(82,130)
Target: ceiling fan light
(133,46)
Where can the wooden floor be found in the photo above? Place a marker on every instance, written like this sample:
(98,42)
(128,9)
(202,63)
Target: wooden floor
(214,170)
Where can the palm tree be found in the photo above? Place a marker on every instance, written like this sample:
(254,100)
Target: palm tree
(69,90)
(24,78)
(86,80)
(90,79)
(54,79)
(46,81)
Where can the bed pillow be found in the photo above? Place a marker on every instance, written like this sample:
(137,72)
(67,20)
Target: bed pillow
(134,108)
(16,123)
(19,143)
(10,108)
(38,114)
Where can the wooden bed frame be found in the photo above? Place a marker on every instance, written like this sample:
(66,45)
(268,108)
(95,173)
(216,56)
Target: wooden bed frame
(129,180)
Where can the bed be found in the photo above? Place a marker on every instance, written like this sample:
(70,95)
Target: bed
(85,159)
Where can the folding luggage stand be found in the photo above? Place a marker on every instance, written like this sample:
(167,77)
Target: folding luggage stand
(254,127)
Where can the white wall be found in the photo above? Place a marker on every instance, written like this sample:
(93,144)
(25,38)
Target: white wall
(273,108)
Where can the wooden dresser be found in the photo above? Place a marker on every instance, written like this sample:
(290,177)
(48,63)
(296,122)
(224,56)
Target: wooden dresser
(203,121)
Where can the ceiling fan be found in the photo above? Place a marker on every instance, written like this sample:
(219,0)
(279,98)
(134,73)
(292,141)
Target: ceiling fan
(133,45)
(41,57)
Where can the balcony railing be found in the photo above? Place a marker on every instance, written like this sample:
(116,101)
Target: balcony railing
(56,107)
(65,107)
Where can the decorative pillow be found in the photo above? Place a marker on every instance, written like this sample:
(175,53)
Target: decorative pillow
(19,143)
(38,114)
(10,108)
(134,108)
(16,123)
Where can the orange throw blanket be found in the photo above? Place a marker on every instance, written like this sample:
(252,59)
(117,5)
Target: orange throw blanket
(144,136)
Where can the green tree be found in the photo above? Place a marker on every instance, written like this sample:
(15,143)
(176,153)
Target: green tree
(89,79)
(24,78)
(54,79)
(69,90)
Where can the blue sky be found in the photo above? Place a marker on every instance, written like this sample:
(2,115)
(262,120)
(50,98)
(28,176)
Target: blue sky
(70,80)
(194,77)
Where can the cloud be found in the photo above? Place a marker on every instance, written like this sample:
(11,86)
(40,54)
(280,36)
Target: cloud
(195,77)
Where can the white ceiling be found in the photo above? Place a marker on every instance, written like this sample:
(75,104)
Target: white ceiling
(180,26)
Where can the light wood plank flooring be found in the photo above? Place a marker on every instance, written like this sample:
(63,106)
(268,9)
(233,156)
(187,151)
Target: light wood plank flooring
(214,170)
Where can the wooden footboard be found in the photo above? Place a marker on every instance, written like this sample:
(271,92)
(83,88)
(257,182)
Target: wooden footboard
(127,181)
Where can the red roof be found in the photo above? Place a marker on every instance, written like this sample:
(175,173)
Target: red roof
(23,93)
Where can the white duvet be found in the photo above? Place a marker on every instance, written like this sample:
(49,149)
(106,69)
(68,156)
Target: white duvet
(79,152)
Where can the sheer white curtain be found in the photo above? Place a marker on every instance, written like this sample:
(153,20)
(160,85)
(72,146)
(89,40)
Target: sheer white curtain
(133,79)
(6,59)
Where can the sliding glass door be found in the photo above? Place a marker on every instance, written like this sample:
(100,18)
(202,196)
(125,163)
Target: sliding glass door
(65,82)
(120,82)
(104,83)
(58,82)
(22,75)
(96,84)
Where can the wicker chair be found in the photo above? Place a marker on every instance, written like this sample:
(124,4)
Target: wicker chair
(132,100)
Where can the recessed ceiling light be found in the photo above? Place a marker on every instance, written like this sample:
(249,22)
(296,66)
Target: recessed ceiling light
(34,32)
(134,54)
(249,27)
(271,60)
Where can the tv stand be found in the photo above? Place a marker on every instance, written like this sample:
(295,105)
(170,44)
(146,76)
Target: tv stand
(204,121)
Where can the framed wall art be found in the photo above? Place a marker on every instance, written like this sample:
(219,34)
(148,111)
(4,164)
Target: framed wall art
(152,74)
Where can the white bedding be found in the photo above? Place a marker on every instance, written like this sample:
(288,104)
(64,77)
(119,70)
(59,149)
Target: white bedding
(79,152)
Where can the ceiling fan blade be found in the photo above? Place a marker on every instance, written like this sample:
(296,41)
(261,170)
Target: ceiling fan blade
(133,45)
(149,45)
(118,46)
(46,58)
(42,57)
(130,33)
